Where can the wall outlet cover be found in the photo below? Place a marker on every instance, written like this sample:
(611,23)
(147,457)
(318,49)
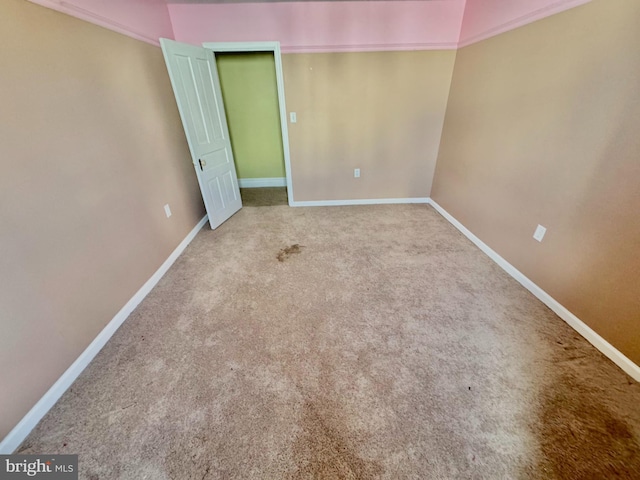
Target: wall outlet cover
(356,173)
(539,233)
(293,117)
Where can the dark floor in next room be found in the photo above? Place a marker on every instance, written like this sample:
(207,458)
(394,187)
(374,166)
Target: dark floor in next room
(264,197)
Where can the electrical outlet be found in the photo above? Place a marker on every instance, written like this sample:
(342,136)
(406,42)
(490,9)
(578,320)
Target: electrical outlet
(167,210)
(293,117)
(356,173)
(539,233)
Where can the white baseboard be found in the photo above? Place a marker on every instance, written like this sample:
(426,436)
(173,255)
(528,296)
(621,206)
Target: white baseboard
(31,419)
(262,182)
(578,325)
(373,201)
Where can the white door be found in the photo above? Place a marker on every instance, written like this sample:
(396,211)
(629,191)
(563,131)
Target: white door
(196,85)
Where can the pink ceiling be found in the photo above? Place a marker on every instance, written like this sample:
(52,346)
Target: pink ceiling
(324,26)
(316,26)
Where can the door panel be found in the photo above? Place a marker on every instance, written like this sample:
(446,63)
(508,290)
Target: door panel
(192,102)
(196,86)
(216,159)
(229,189)
(212,113)
(215,192)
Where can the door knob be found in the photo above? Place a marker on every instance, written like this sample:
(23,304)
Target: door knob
(202,163)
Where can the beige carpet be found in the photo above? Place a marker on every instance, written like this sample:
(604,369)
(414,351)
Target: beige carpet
(383,345)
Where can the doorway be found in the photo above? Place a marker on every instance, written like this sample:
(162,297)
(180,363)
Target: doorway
(253,94)
(250,97)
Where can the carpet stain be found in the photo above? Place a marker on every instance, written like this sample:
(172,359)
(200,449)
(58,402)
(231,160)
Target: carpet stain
(580,438)
(363,379)
(325,451)
(287,252)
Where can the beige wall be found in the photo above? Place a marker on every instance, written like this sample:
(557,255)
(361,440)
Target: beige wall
(91,148)
(381,112)
(543,127)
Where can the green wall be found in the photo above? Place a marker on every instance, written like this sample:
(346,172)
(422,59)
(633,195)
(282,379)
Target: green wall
(248,82)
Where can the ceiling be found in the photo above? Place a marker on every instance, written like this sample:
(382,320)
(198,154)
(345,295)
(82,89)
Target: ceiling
(273,1)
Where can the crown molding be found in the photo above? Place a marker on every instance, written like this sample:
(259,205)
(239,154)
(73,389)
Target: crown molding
(100,20)
(539,14)
(369,47)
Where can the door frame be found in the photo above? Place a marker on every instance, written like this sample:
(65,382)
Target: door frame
(240,47)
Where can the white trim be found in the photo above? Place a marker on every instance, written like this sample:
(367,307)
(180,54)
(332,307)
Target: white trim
(381,47)
(578,325)
(241,46)
(267,46)
(539,14)
(368,201)
(262,182)
(31,419)
(277,56)
(91,17)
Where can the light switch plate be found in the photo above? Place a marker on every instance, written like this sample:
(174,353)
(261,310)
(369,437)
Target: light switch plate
(539,233)
(167,210)
(356,173)
(293,117)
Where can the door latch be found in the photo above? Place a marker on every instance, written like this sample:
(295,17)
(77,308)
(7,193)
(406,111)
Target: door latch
(202,163)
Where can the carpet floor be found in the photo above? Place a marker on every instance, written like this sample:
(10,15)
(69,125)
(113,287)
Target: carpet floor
(344,343)
(264,197)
